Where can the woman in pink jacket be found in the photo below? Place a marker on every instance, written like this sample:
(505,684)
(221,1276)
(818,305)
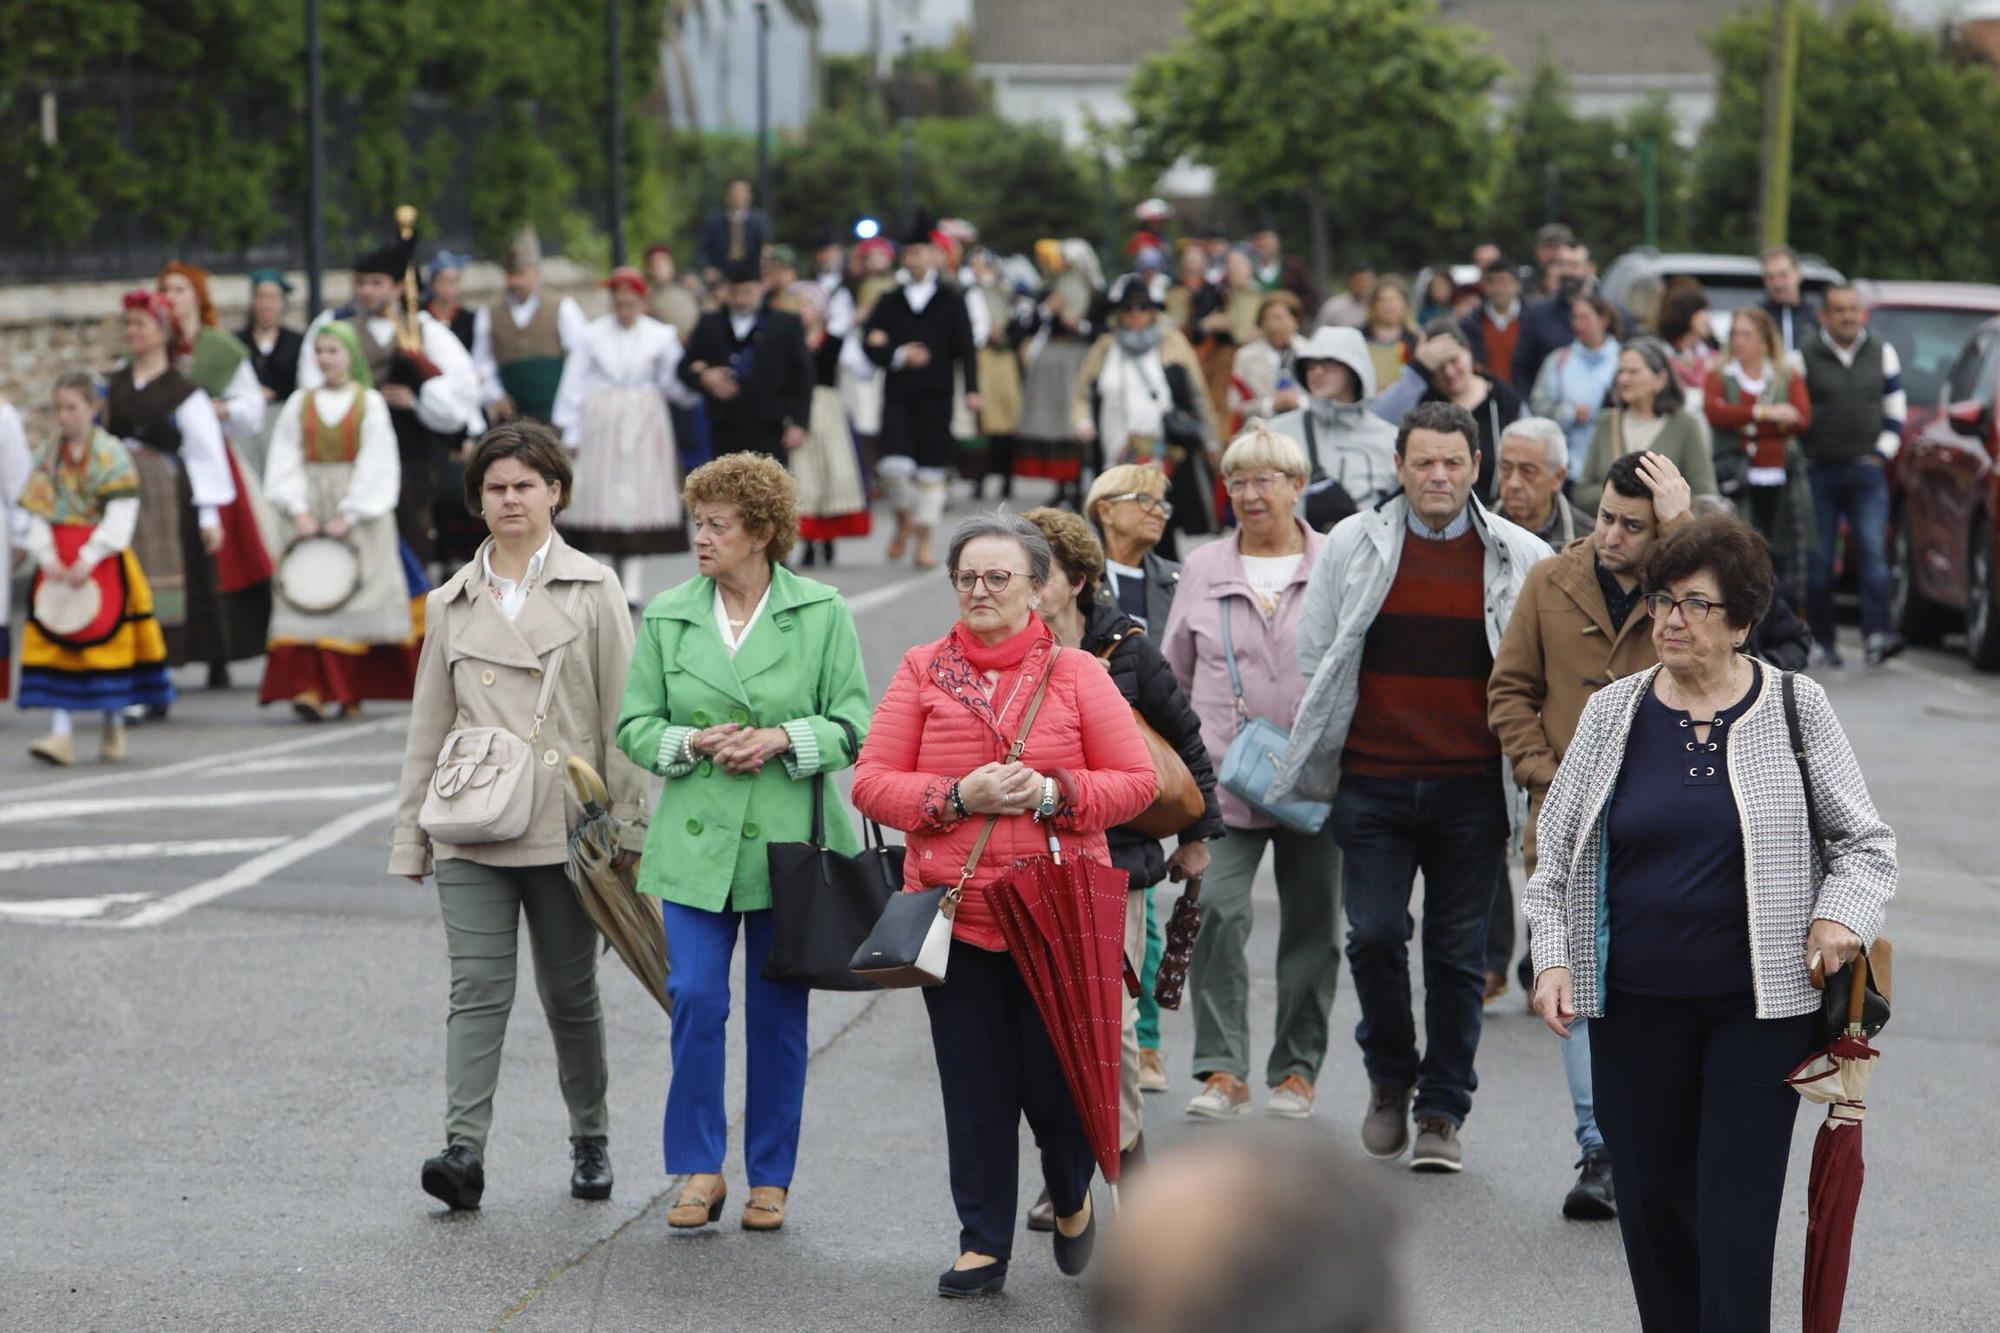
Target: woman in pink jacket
(933,767)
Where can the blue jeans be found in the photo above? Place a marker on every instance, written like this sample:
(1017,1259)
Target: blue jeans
(1576,1072)
(1857,491)
(701,945)
(1455,831)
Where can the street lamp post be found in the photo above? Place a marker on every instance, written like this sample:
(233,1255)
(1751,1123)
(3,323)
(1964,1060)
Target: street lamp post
(315,161)
(764,104)
(615,53)
(908,172)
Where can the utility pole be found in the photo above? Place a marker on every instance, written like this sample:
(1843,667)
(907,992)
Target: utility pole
(764,105)
(315,163)
(1649,168)
(1774,201)
(615,45)
(908,196)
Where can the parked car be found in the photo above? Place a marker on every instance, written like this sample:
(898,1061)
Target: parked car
(1731,281)
(1945,515)
(1927,323)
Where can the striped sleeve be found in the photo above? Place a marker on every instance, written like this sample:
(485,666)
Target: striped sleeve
(803,759)
(675,760)
(1895,403)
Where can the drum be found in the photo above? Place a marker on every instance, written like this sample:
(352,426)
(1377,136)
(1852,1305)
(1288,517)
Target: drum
(319,574)
(79,615)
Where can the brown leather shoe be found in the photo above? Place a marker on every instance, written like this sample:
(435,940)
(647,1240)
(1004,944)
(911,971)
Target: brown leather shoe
(700,1202)
(766,1209)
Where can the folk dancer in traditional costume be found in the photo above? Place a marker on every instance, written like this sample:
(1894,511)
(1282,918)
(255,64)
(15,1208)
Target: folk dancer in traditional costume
(15,459)
(1064,330)
(520,344)
(220,366)
(334,472)
(81,506)
(921,336)
(748,361)
(185,484)
(612,412)
(459,531)
(861,378)
(1008,317)
(274,356)
(833,503)
(423,373)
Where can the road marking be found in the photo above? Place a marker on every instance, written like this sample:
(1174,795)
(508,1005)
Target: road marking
(327,736)
(129,851)
(63,910)
(863,602)
(306,765)
(258,868)
(23,812)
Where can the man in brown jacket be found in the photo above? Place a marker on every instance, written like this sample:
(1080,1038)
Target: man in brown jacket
(1579,625)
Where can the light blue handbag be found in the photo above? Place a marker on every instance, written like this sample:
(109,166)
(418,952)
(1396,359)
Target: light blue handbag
(1251,765)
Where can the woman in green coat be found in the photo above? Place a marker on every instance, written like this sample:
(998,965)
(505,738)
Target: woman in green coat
(1647,413)
(746,686)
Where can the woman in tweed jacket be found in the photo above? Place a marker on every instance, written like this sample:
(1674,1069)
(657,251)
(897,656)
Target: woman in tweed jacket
(1679,905)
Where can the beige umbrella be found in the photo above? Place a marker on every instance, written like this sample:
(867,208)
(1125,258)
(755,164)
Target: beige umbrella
(628,920)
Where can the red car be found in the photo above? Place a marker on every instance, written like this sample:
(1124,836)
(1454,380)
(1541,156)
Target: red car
(1945,514)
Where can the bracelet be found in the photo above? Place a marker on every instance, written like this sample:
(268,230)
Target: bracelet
(958,803)
(687,748)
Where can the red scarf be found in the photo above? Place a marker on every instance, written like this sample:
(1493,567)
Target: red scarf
(1006,655)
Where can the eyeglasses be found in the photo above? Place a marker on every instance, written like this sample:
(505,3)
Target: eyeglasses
(1152,504)
(1260,481)
(1693,609)
(996,580)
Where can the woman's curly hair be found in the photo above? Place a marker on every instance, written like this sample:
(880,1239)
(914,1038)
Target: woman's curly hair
(760,488)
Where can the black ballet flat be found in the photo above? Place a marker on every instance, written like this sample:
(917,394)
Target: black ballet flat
(964,1283)
(1073,1253)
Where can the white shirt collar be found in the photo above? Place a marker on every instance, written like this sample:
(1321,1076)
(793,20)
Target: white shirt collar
(512,595)
(732,638)
(919,294)
(1847,353)
(741,325)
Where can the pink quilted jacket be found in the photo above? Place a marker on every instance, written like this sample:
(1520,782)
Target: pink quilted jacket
(934,726)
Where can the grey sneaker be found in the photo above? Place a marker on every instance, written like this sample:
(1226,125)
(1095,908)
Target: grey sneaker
(1437,1146)
(1882,647)
(1825,655)
(1385,1130)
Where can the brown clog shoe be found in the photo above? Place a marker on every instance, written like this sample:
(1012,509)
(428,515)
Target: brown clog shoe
(700,1202)
(766,1209)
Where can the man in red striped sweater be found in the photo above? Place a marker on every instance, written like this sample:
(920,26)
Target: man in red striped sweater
(1404,610)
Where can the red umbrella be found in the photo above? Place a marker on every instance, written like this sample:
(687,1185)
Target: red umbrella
(1837,1076)
(1064,924)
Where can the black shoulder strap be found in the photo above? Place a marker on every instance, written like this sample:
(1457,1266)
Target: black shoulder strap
(1789,689)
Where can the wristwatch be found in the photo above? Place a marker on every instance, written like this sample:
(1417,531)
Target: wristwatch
(1048,806)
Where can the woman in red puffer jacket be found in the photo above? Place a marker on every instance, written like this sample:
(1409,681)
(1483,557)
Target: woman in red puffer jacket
(934,767)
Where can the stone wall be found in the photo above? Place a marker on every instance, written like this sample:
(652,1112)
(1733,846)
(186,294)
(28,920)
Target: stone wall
(47,330)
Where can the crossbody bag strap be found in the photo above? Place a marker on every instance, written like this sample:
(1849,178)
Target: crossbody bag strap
(1798,737)
(1013,755)
(554,666)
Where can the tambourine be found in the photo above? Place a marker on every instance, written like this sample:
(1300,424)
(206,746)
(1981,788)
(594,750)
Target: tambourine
(79,615)
(319,574)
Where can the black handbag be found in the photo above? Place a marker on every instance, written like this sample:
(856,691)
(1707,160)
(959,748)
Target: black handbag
(1835,1001)
(824,903)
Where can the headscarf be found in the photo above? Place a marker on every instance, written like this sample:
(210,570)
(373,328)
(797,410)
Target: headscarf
(260,276)
(628,279)
(444,260)
(343,333)
(198,279)
(1048,255)
(161,309)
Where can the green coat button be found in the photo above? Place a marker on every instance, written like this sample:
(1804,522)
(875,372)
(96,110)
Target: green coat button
(694,827)
(739,716)
(750,831)
(704,768)
(701,717)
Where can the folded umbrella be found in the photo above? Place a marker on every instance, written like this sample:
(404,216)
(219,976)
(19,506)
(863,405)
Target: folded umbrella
(1182,927)
(628,920)
(1837,1076)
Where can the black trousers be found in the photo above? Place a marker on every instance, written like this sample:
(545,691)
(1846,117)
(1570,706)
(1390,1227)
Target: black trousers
(1693,1104)
(995,1064)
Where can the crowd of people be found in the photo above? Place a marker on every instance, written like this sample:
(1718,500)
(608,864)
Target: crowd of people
(1398,582)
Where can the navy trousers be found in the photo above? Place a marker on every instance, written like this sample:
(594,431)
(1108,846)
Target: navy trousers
(1693,1104)
(996,1064)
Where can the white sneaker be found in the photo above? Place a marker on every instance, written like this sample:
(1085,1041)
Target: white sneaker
(1291,1100)
(1224,1096)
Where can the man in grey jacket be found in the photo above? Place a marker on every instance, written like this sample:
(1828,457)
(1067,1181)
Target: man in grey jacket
(1404,611)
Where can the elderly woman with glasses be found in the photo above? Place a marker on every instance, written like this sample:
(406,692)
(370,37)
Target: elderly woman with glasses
(1241,597)
(935,765)
(1680,904)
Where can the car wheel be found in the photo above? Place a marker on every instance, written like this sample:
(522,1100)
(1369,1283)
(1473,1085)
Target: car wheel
(1982,620)
(1916,617)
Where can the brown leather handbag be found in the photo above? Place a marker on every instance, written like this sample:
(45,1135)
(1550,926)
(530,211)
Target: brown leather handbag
(1177,799)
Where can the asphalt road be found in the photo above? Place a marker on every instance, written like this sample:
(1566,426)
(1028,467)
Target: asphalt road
(222,1050)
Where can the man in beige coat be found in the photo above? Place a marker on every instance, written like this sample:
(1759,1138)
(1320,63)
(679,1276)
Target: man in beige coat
(1580,624)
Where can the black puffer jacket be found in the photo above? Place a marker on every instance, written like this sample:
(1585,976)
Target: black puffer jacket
(1147,682)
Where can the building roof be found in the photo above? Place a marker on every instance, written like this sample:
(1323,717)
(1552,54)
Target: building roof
(1072,32)
(1599,38)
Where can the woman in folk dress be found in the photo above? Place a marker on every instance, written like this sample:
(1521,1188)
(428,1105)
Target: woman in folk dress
(611,408)
(832,501)
(334,471)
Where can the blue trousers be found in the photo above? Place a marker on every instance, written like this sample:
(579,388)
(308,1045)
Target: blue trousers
(701,945)
(1857,491)
(1582,1100)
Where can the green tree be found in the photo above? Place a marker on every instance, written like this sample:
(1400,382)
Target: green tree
(1599,178)
(1896,148)
(1373,115)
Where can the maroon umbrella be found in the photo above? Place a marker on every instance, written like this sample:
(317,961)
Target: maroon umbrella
(1182,928)
(1064,924)
(1837,1076)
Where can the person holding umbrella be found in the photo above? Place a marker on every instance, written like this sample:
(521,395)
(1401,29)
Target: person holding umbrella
(1678,904)
(524,602)
(746,685)
(931,768)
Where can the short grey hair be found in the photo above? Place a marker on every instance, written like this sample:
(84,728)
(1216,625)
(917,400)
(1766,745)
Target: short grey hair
(1554,443)
(1014,528)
